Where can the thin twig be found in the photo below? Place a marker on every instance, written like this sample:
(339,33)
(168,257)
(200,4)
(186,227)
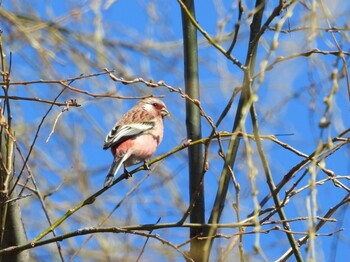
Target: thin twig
(66,80)
(237,27)
(72,102)
(210,39)
(14,199)
(144,245)
(306,54)
(86,231)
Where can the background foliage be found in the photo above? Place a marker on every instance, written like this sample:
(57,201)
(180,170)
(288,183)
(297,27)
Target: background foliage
(57,56)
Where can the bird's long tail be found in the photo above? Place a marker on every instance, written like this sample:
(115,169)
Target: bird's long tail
(117,163)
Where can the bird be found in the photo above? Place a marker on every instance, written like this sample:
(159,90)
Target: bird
(136,136)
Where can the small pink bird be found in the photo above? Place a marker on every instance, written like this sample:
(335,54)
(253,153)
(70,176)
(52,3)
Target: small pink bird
(136,136)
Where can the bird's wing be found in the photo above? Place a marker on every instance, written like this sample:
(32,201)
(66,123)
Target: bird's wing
(120,133)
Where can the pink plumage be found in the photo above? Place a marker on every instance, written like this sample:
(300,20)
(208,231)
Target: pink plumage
(136,136)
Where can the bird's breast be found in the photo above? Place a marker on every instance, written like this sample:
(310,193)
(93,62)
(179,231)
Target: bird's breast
(143,147)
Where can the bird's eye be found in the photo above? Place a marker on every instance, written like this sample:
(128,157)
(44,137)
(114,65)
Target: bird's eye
(155,105)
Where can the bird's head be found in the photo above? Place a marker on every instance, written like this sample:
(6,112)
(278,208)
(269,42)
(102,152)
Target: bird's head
(155,106)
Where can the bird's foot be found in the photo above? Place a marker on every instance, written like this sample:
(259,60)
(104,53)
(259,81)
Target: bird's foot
(127,173)
(145,166)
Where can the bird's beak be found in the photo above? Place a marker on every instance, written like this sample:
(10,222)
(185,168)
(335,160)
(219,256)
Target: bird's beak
(164,112)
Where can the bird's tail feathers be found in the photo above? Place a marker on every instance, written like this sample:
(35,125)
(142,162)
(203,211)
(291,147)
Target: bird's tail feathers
(117,163)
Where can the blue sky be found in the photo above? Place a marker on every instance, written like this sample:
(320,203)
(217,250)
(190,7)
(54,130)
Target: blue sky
(290,100)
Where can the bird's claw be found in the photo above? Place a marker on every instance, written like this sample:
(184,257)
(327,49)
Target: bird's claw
(127,174)
(145,166)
